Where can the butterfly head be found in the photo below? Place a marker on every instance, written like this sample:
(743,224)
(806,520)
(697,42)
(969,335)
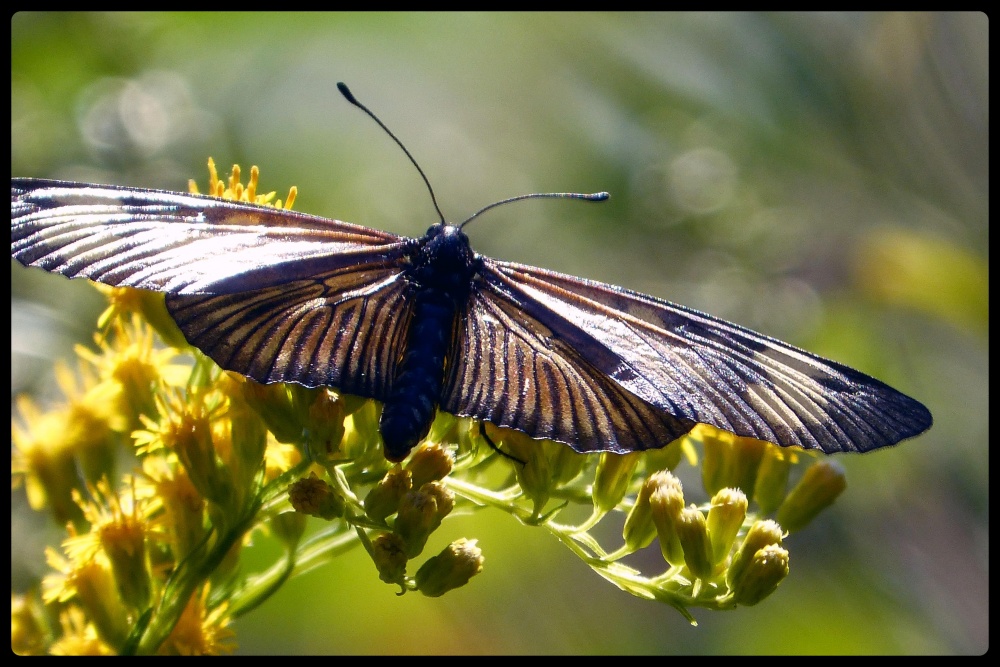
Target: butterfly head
(445,258)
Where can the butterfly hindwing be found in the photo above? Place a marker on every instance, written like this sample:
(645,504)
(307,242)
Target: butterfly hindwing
(345,330)
(509,369)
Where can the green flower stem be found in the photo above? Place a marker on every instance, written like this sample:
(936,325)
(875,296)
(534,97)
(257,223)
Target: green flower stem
(256,590)
(502,500)
(591,521)
(581,543)
(318,550)
(191,573)
(322,548)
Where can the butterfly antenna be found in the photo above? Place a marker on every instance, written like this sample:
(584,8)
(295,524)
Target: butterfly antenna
(597,196)
(346,92)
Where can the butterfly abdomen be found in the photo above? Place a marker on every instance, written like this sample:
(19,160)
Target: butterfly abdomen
(439,275)
(416,391)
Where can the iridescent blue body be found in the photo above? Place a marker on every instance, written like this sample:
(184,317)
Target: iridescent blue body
(440,275)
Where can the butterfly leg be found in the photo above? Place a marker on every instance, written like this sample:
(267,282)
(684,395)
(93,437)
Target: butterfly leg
(495,448)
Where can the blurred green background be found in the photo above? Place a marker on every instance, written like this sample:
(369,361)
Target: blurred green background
(822,178)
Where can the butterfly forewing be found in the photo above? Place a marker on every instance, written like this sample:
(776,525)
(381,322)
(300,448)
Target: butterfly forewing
(269,293)
(176,243)
(704,369)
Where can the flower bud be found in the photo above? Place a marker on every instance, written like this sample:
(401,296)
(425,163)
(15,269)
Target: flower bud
(725,518)
(611,481)
(665,504)
(314,497)
(665,458)
(429,463)
(730,460)
(537,477)
(767,569)
(362,441)
(444,428)
(248,435)
(384,497)
(819,487)
(716,445)
(453,567)
(772,478)
(352,404)
(288,527)
(301,399)
(761,534)
(274,405)
(566,464)
(693,536)
(442,495)
(639,530)
(390,557)
(419,515)
(324,425)
(744,463)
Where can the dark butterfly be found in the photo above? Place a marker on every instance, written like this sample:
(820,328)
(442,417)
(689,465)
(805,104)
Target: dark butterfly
(280,296)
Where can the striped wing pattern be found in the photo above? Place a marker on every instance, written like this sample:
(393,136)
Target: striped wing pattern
(691,365)
(176,243)
(345,330)
(275,295)
(510,369)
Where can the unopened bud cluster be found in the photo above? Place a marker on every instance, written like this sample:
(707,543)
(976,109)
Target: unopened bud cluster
(412,501)
(723,550)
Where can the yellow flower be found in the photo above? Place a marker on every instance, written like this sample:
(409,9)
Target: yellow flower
(186,428)
(43,460)
(121,529)
(173,497)
(279,458)
(79,637)
(90,584)
(126,302)
(128,360)
(234,190)
(27,625)
(200,630)
(94,421)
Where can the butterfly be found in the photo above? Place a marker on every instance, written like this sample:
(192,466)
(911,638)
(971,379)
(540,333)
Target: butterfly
(427,323)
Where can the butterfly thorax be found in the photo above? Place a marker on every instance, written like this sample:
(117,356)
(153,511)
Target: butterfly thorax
(440,274)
